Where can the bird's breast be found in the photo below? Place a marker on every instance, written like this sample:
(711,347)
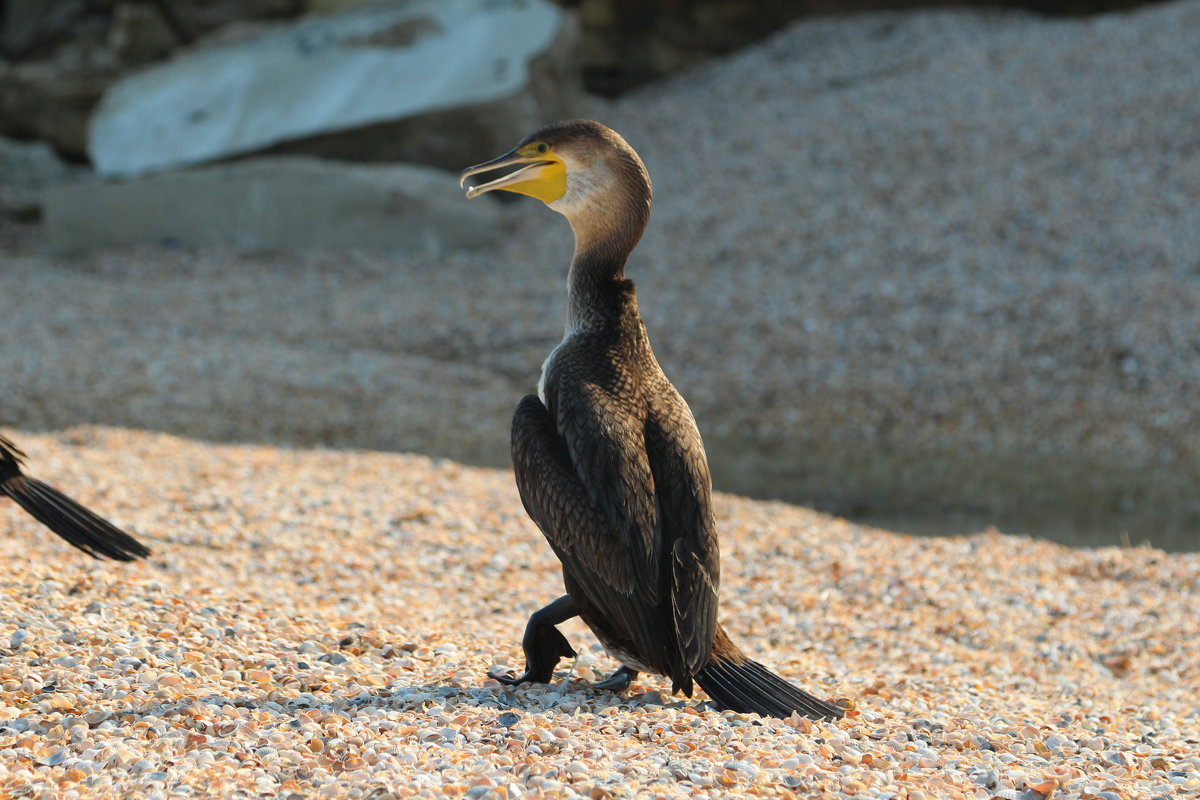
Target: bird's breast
(548,366)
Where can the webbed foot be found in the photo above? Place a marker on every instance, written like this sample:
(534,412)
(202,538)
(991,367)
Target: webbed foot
(544,645)
(543,650)
(619,681)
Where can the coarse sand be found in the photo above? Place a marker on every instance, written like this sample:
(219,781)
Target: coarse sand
(318,623)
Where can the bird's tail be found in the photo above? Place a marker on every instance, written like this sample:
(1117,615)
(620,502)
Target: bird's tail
(90,533)
(736,683)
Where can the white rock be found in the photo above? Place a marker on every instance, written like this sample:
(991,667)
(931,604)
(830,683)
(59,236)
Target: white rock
(329,73)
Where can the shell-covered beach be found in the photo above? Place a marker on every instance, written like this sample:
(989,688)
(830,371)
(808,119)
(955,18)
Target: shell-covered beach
(319,623)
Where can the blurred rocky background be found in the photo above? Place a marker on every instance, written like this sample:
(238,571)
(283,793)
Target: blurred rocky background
(140,89)
(932,265)
(136,87)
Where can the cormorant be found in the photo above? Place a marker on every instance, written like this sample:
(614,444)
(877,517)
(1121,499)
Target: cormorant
(607,456)
(93,535)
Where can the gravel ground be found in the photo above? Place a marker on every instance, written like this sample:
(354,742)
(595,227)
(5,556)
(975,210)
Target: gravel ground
(926,263)
(318,623)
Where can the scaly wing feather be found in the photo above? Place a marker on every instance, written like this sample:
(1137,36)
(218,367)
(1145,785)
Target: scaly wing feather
(626,509)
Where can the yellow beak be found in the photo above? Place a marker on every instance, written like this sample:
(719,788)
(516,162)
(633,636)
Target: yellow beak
(542,176)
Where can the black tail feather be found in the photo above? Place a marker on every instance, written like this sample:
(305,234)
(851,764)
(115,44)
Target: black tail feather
(74,523)
(750,687)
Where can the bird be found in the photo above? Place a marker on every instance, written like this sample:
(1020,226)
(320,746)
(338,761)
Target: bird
(82,528)
(607,457)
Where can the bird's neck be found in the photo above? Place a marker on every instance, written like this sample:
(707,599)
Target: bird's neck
(596,287)
(597,291)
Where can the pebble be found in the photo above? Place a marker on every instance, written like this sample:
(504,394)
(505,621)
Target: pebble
(333,658)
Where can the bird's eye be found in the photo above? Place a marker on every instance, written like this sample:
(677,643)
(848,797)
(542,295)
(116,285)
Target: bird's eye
(542,147)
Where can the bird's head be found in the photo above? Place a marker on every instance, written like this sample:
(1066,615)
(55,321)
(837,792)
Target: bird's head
(581,169)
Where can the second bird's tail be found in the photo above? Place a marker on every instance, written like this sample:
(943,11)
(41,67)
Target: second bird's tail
(92,534)
(736,683)
(79,526)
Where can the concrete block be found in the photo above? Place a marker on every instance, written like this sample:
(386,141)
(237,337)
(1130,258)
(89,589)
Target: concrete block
(272,203)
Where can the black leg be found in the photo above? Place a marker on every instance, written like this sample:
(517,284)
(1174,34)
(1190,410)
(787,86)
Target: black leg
(543,644)
(619,681)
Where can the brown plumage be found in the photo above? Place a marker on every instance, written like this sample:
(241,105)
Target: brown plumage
(93,535)
(607,456)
